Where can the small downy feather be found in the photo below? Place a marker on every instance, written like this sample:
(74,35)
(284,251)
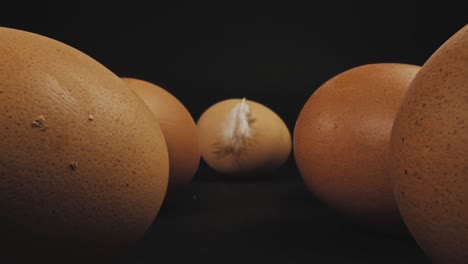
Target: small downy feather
(237,131)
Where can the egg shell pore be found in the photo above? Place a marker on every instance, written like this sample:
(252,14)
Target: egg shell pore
(429,147)
(83,163)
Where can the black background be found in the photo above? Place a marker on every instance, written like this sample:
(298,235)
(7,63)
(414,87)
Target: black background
(276,53)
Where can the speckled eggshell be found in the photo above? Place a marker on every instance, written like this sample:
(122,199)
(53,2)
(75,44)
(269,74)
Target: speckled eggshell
(179,129)
(83,163)
(429,147)
(342,139)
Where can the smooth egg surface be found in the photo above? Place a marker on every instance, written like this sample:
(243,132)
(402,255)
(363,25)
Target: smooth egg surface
(341,141)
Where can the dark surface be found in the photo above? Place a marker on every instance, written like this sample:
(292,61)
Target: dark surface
(272,219)
(269,220)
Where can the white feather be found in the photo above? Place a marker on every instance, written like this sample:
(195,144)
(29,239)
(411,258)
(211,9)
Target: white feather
(237,128)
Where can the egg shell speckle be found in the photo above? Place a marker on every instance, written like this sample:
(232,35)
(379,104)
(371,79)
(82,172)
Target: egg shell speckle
(72,184)
(429,153)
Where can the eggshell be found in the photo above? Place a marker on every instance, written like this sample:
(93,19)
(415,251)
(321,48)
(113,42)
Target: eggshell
(429,150)
(341,142)
(179,129)
(243,137)
(83,163)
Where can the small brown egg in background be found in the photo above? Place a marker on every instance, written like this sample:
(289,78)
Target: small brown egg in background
(83,164)
(341,142)
(429,153)
(243,137)
(179,129)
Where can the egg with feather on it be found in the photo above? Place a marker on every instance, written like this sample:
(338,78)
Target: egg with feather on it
(243,137)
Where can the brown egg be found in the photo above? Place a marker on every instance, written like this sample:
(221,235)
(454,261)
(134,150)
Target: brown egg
(429,150)
(83,164)
(243,137)
(179,129)
(341,141)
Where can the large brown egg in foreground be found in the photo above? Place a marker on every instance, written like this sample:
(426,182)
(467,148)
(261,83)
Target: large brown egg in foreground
(243,138)
(179,129)
(83,164)
(429,148)
(341,141)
